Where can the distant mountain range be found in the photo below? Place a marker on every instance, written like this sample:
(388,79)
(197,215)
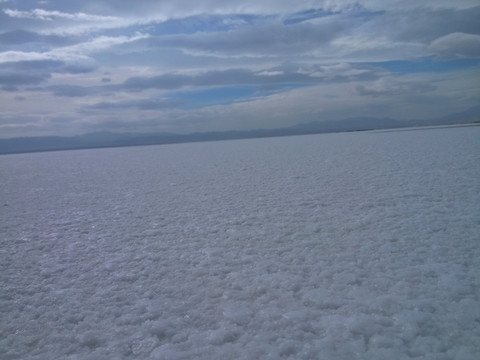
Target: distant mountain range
(108,139)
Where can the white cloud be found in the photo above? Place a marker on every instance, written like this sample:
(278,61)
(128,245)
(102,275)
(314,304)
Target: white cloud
(69,53)
(47,15)
(269,73)
(64,24)
(98,44)
(339,70)
(457,45)
(16,56)
(415,4)
(389,86)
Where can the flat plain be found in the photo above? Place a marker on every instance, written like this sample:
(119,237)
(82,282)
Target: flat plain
(340,246)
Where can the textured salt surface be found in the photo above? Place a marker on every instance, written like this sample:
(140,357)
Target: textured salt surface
(343,246)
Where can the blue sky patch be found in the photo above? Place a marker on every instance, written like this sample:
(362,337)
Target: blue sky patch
(214,96)
(228,94)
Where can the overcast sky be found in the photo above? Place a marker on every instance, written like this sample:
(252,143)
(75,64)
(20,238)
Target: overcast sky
(72,67)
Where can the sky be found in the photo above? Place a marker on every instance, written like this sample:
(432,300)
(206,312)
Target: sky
(75,67)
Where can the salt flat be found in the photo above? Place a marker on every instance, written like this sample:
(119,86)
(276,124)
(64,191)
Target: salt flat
(340,246)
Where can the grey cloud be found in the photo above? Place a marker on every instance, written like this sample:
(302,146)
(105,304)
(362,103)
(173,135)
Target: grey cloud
(144,104)
(70,90)
(277,39)
(289,73)
(167,81)
(56,66)
(48,66)
(117,123)
(76,67)
(10,80)
(13,74)
(169,8)
(306,15)
(210,78)
(394,88)
(21,119)
(10,88)
(36,125)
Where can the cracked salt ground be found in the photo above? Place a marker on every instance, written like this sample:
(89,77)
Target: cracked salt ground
(341,246)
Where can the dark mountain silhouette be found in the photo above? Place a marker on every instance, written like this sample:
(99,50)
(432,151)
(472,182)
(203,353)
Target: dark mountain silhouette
(109,139)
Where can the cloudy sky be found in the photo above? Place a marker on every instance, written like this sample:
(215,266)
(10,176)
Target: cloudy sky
(72,67)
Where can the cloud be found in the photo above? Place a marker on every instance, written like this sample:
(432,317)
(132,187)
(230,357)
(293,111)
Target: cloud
(10,81)
(400,33)
(52,62)
(35,70)
(289,74)
(74,53)
(47,15)
(264,40)
(18,37)
(22,73)
(457,45)
(424,25)
(96,44)
(393,87)
(54,22)
(211,78)
(70,90)
(143,104)
(342,71)
(270,73)
(30,68)
(179,8)
(356,34)
(412,4)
